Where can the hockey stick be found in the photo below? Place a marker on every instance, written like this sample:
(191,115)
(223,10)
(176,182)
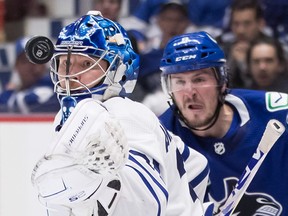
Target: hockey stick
(273,131)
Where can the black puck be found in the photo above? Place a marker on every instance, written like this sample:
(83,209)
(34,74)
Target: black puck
(39,50)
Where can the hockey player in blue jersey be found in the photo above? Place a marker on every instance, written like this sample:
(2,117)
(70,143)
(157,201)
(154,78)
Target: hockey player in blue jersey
(224,124)
(110,155)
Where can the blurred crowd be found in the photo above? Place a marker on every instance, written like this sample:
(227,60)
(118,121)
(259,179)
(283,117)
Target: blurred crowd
(253,34)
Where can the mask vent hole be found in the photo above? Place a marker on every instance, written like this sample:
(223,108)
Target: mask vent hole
(204,54)
(89,25)
(123,78)
(169,61)
(187,47)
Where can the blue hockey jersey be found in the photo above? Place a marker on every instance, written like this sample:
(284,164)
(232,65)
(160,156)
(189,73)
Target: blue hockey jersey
(228,156)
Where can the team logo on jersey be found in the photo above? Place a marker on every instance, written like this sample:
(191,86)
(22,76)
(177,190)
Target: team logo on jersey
(219,148)
(276,101)
(259,204)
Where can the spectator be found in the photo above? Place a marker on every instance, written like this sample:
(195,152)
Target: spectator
(205,14)
(246,23)
(171,20)
(112,10)
(138,40)
(225,125)
(109,8)
(15,13)
(30,88)
(267,65)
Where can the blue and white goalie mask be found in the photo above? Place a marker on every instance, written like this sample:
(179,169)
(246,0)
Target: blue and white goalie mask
(106,47)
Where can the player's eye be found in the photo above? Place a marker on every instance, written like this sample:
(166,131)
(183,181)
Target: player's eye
(87,64)
(63,61)
(180,82)
(198,80)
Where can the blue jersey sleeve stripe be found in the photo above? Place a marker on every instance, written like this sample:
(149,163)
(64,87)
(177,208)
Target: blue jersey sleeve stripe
(209,210)
(186,152)
(149,187)
(196,181)
(131,158)
(168,137)
(154,162)
(136,153)
(192,193)
(180,164)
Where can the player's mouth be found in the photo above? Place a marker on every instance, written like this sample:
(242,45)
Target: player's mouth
(194,107)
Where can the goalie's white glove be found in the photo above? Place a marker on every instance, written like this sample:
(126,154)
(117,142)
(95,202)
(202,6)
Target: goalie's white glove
(79,171)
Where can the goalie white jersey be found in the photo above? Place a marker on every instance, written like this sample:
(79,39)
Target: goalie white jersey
(150,180)
(156,164)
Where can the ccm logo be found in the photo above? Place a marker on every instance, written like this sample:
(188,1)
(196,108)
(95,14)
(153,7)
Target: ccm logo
(183,58)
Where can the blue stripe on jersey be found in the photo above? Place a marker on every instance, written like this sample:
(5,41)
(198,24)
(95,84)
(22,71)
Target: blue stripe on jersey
(168,137)
(180,164)
(192,193)
(131,158)
(155,163)
(209,210)
(200,177)
(185,153)
(149,187)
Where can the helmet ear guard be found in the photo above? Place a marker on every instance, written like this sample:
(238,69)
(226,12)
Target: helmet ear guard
(221,75)
(114,88)
(124,79)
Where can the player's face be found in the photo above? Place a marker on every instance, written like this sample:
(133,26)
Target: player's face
(83,71)
(264,65)
(172,22)
(196,95)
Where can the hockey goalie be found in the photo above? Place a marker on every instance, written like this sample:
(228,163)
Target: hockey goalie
(110,155)
(86,169)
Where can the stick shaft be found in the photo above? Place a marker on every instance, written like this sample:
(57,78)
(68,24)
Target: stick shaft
(273,131)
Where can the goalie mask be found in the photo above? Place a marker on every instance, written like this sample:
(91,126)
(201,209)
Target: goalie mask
(99,39)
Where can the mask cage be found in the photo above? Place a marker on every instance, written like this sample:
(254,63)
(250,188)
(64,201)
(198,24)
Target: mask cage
(99,85)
